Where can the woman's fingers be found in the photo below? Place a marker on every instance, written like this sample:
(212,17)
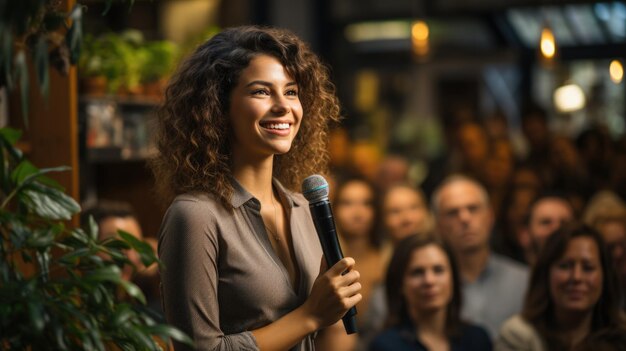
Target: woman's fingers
(350,290)
(345,264)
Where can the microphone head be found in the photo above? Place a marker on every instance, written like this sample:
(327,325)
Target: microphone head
(315,188)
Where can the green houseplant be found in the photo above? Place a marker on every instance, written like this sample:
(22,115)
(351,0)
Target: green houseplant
(159,60)
(111,57)
(72,300)
(60,287)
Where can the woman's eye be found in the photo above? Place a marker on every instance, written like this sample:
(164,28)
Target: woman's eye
(292,93)
(564,265)
(416,272)
(589,268)
(260,92)
(439,269)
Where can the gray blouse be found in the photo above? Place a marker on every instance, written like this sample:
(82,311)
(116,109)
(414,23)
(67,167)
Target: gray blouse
(221,277)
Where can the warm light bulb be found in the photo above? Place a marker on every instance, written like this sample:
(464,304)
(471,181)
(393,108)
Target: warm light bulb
(616,70)
(419,38)
(419,31)
(548,44)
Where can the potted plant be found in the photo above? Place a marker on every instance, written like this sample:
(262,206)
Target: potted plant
(93,80)
(159,58)
(59,286)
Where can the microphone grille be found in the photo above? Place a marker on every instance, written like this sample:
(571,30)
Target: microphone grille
(315,188)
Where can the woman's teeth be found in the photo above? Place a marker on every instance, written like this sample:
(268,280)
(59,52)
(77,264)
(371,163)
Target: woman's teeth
(276,126)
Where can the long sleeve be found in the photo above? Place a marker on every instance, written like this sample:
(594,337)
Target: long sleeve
(189,249)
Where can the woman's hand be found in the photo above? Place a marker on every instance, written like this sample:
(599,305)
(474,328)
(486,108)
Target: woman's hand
(333,294)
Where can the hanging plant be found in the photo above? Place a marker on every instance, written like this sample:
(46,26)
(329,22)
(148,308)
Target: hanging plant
(41,31)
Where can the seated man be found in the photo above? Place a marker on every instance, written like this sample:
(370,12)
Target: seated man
(493,285)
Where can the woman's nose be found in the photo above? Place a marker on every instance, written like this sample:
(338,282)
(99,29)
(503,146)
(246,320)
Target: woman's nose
(577,272)
(429,277)
(280,106)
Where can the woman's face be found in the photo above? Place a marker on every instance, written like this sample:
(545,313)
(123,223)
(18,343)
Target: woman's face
(265,110)
(427,284)
(404,213)
(576,278)
(354,209)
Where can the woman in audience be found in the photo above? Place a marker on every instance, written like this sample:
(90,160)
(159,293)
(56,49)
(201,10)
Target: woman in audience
(573,293)
(356,218)
(405,212)
(424,301)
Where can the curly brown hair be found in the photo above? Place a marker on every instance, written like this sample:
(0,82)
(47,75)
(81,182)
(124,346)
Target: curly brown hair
(193,131)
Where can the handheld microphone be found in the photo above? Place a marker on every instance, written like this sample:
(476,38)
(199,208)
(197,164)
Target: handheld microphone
(315,189)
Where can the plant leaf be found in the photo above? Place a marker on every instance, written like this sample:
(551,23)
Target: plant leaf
(26,172)
(133,291)
(43,259)
(144,249)
(49,203)
(74,256)
(36,314)
(171,332)
(74,36)
(40,57)
(116,244)
(92,229)
(10,135)
(21,71)
(14,152)
(22,171)
(40,239)
(109,273)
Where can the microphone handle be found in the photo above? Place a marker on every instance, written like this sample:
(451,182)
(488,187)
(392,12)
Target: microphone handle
(325,227)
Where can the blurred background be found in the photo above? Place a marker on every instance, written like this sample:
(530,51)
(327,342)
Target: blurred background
(516,93)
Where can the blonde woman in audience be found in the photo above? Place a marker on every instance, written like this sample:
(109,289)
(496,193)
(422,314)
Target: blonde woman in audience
(573,293)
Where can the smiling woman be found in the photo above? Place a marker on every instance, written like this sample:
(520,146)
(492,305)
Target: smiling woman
(573,293)
(244,121)
(265,110)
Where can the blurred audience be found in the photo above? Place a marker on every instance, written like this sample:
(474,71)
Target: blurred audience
(524,186)
(472,148)
(393,169)
(356,218)
(573,293)
(606,213)
(546,214)
(424,302)
(500,204)
(405,212)
(493,285)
